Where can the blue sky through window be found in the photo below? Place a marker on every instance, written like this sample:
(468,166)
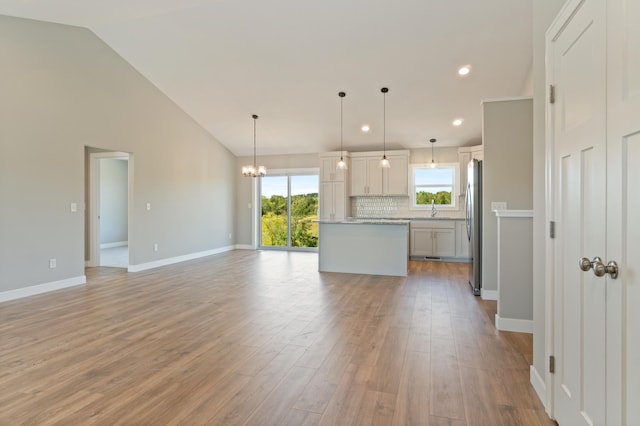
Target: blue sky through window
(277,185)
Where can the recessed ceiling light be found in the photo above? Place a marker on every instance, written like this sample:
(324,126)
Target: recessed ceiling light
(457,121)
(365,128)
(464,70)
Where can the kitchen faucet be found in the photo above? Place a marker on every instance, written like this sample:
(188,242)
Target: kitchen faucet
(433,208)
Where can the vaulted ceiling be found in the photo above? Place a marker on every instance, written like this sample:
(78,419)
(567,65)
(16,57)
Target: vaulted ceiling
(286,60)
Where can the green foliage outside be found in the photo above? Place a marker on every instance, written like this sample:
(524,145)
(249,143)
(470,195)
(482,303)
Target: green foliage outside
(442,197)
(304,210)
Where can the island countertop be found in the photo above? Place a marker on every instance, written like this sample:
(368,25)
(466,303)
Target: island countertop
(362,221)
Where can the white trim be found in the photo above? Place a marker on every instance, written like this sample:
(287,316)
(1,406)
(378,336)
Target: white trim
(177,259)
(511,324)
(488,294)
(514,213)
(243,247)
(299,171)
(19,293)
(537,383)
(516,98)
(112,245)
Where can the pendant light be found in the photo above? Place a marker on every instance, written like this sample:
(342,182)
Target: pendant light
(342,165)
(254,170)
(384,163)
(433,164)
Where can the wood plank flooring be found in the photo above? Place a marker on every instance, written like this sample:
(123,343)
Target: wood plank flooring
(262,338)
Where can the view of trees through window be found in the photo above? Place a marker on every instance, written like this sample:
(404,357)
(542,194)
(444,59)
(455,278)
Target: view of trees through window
(434,185)
(304,210)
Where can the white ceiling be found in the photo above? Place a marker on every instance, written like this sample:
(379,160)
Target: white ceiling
(286,60)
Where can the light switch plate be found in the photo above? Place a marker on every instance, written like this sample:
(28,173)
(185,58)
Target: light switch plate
(148,206)
(74,207)
(498,205)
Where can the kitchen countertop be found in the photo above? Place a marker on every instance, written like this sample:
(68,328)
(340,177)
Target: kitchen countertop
(363,221)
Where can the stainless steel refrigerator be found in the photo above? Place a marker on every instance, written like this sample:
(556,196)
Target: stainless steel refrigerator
(473,220)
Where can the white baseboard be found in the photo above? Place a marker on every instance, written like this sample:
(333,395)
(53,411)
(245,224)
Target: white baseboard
(19,293)
(538,384)
(510,324)
(488,294)
(177,259)
(116,244)
(244,247)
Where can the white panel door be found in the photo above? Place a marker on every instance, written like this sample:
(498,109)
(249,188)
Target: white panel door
(577,59)
(623,211)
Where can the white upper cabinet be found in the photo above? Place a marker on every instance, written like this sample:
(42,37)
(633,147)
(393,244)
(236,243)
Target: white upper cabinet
(367,178)
(329,171)
(395,180)
(333,200)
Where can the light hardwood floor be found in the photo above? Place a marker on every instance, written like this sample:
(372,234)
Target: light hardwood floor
(262,338)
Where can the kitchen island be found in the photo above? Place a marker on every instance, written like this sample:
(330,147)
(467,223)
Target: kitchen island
(364,246)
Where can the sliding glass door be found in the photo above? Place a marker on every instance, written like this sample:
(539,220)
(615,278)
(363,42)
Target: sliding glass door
(289,205)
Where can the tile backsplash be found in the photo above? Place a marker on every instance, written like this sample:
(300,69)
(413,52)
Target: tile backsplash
(392,207)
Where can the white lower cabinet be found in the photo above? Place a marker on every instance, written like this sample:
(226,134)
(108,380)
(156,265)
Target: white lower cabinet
(433,238)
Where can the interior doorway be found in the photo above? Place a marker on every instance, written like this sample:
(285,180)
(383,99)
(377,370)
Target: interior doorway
(108,212)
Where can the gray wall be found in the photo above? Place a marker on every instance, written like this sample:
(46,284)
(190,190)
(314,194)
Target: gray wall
(507,136)
(544,11)
(63,89)
(244,194)
(516,283)
(113,200)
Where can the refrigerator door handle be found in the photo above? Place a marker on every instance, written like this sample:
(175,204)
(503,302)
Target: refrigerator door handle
(467,210)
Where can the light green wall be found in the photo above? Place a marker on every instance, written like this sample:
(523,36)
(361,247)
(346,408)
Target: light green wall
(507,172)
(113,200)
(63,89)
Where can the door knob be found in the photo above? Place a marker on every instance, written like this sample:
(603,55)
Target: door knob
(599,268)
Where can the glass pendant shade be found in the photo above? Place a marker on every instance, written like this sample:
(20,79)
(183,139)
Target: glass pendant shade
(254,170)
(433,163)
(341,165)
(384,163)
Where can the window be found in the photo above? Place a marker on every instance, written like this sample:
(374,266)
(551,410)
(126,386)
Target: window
(434,184)
(289,206)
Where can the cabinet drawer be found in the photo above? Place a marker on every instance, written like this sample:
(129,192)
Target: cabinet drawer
(438,224)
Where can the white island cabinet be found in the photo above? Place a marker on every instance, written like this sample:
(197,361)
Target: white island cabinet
(375,247)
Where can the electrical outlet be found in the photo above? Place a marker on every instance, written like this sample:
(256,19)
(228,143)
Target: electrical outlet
(155,247)
(498,205)
(229,235)
(52,264)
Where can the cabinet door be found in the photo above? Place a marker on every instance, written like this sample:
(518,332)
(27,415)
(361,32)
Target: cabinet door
(374,175)
(444,242)
(421,242)
(395,179)
(329,171)
(462,241)
(359,176)
(327,203)
(339,201)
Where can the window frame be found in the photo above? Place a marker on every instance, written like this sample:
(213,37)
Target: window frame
(454,186)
